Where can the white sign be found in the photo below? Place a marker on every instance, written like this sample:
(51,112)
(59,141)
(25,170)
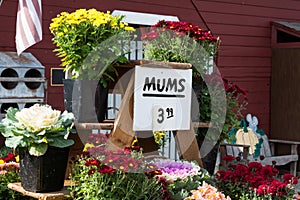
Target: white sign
(162,99)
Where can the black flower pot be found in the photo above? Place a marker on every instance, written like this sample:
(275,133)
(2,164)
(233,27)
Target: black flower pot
(44,173)
(101,97)
(87,99)
(68,91)
(211,149)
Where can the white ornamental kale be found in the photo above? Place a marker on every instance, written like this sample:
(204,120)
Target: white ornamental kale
(36,128)
(38,117)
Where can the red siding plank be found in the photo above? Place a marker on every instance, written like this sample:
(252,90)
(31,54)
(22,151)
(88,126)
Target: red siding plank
(245,62)
(252,71)
(237,19)
(8,23)
(8,8)
(227,29)
(248,10)
(170,3)
(287,5)
(7,39)
(256,86)
(246,41)
(244,51)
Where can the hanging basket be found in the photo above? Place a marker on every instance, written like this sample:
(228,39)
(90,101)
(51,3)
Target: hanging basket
(44,173)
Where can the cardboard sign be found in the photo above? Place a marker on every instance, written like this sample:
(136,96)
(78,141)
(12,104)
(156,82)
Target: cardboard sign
(162,99)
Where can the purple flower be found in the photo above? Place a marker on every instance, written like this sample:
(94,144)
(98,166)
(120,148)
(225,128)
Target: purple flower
(173,170)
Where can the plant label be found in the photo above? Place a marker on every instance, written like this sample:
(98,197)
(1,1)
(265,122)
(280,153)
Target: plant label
(162,99)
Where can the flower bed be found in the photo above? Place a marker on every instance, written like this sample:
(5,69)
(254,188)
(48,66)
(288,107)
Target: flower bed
(104,174)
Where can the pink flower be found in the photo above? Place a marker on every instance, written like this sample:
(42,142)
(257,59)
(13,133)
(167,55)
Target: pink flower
(207,192)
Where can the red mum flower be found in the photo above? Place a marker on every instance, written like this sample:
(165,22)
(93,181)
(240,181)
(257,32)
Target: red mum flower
(241,170)
(10,158)
(150,35)
(185,28)
(151,174)
(92,162)
(104,169)
(262,189)
(136,148)
(97,151)
(228,158)
(289,178)
(220,174)
(91,171)
(254,166)
(268,171)
(127,150)
(228,176)
(238,159)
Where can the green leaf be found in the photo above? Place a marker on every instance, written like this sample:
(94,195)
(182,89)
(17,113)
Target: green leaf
(11,112)
(6,132)
(58,142)
(43,132)
(38,149)
(13,142)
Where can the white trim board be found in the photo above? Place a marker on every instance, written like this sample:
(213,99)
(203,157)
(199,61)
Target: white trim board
(143,18)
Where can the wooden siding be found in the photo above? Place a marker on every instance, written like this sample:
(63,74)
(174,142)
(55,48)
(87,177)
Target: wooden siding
(243,26)
(245,53)
(285,94)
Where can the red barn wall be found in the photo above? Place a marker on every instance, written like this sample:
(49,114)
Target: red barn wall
(243,26)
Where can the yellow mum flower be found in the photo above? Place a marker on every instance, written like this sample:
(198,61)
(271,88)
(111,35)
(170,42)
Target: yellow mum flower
(17,158)
(134,142)
(129,28)
(60,34)
(88,146)
(64,14)
(45,140)
(159,137)
(98,22)
(71,29)
(2,161)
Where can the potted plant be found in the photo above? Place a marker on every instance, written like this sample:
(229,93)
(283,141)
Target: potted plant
(90,43)
(253,181)
(40,136)
(170,41)
(111,174)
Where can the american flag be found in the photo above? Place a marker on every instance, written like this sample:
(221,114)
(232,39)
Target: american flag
(29,24)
